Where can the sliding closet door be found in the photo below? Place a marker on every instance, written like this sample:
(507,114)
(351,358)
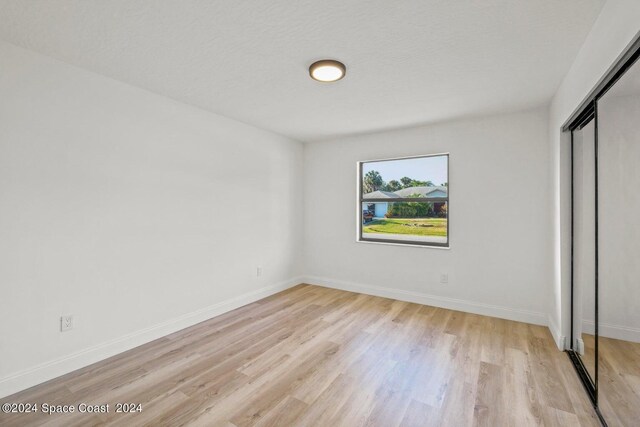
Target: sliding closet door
(584,226)
(619,251)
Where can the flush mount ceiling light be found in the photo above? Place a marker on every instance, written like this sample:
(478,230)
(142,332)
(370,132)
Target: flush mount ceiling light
(327,70)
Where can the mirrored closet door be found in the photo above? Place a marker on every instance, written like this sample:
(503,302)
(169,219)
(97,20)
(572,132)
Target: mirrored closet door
(605,242)
(618,116)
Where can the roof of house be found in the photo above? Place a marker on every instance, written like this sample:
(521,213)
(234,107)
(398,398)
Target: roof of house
(423,191)
(381,195)
(405,192)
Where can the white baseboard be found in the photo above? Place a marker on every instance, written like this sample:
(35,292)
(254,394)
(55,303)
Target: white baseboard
(508,313)
(610,330)
(560,340)
(55,368)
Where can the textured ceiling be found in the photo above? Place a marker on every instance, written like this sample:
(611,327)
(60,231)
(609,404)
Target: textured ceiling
(408,61)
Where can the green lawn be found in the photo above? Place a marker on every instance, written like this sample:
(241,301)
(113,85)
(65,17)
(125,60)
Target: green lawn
(416,227)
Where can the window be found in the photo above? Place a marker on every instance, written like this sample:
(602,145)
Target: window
(404,201)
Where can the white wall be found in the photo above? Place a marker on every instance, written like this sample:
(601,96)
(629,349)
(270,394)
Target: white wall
(137,214)
(498,263)
(617,24)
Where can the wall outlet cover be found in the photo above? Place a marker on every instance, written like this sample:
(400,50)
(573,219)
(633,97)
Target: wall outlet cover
(66,323)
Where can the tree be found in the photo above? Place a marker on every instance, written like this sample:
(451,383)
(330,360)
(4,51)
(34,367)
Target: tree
(411,209)
(406,181)
(409,182)
(393,185)
(372,182)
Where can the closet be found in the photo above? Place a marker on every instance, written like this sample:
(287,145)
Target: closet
(605,242)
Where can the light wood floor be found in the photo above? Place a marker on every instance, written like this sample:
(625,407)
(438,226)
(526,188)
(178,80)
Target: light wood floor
(316,356)
(618,379)
(588,358)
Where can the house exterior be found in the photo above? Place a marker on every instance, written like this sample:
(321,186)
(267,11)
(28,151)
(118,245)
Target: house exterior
(379,208)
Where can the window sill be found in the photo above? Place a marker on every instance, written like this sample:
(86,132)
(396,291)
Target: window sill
(412,245)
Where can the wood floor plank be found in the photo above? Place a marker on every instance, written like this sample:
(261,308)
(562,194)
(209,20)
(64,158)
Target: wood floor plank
(419,414)
(389,408)
(272,393)
(490,409)
(313,356)
(286,413)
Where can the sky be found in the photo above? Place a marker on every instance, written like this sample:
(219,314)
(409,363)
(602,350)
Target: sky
(432,169)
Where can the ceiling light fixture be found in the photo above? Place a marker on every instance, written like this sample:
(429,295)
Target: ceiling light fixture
(327,70)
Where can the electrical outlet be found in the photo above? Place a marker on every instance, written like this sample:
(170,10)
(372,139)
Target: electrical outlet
(66,323)
(258,271)
(444,278)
